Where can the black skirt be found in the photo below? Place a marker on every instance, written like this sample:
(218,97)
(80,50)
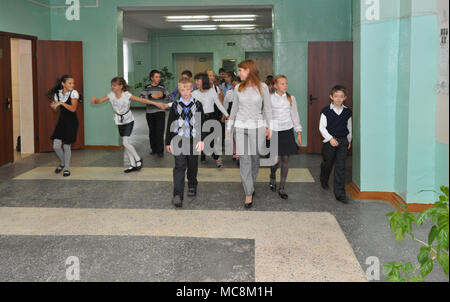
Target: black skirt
(286,142)
(67,127)
(126,130)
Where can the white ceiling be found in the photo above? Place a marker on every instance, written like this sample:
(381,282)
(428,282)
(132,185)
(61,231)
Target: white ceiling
(154,18)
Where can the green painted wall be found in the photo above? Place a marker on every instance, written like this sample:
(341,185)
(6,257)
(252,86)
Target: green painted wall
(23,17)
(397,99)
(296,23)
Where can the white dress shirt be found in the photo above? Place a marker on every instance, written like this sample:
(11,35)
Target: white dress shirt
(323,125)
(284,115)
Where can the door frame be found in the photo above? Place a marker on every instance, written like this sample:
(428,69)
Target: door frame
(33,40)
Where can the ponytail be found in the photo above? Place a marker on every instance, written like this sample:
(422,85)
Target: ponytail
(121,81)
(58,86)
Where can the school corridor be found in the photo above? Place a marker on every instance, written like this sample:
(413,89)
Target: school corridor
(101,224)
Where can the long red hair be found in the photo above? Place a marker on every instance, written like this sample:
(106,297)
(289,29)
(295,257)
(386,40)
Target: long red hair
(253,76)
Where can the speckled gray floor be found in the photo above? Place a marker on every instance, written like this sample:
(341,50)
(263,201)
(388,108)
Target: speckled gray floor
(363,222)
(125,258)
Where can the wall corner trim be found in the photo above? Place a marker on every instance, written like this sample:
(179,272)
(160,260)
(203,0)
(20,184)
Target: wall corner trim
(393,198)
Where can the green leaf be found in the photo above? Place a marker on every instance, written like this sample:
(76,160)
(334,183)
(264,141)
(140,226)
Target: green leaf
(416,279)
(445,190)
(424,216)
(408,268)
(433,234)
(424,254)
(443,238)
(399,235)
(443,261)
(426,268)
(387,268)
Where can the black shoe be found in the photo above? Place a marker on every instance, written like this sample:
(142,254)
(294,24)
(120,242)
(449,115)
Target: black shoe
(273,186)
(283,194)
(177,201)
(248,205)
(342,199)
(325,186)
(131,169)
(139,167)
(59,169)
(160,155)
(192,192)
(152,153)
(66,173)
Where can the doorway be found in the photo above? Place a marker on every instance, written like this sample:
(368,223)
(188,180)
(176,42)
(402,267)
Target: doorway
(17,97)
(22,98)
(196,63)
(264,61)
(329,64)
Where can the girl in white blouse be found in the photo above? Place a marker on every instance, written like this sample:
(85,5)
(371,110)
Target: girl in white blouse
(286,121)
(120,99)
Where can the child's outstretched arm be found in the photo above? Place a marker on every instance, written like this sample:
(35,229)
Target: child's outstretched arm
(95,100)
(145,101)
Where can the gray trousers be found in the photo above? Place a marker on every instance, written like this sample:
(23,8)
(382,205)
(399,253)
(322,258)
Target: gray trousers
(249,144)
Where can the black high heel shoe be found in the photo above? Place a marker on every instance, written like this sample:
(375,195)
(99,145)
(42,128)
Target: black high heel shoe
(248,205)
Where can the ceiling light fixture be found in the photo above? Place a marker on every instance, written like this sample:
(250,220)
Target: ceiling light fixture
(234,16)
(238,26)
(235,20)
(198,27)
(187,18)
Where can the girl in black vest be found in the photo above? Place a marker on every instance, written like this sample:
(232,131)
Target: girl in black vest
(66,101)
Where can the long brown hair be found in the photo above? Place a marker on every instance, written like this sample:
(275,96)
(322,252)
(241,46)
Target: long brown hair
(276,79)
(253,76)
(121,81)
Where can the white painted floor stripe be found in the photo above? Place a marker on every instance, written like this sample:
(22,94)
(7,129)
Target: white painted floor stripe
(158,174)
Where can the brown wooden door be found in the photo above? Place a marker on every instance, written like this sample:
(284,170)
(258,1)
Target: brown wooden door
(6,126)
(329,64)
(55,59)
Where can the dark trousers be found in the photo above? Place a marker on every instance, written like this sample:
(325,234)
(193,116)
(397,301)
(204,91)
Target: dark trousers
(183,163)
(156,125)
(210,116)
(334,156)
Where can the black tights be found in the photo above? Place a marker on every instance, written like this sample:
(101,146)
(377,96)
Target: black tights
(284,170)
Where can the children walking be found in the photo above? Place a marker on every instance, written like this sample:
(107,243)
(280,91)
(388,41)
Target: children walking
(66,101)
(209,98)
(286,121)
(228,104)
(120,99)
(184,139)
(336,129)
(251,116)
(156,117)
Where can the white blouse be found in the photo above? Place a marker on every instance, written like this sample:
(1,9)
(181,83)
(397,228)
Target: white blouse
(64,97)
(208,99)
(284,115)
(121,106)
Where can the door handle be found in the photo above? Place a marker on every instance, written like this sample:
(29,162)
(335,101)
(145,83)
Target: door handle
(311,99)
(8,104)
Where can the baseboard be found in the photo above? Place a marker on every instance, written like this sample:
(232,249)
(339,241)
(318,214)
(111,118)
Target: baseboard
(103,147)
(393,198)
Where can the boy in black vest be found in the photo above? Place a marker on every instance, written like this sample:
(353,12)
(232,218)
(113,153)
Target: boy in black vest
(336,129)
(184,139)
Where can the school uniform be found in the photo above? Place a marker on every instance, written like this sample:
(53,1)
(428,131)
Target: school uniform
(286,122)
(156,117)
(335,123)
(184,131)
(65,133)
(210,101)
(67,126)
(124,119)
